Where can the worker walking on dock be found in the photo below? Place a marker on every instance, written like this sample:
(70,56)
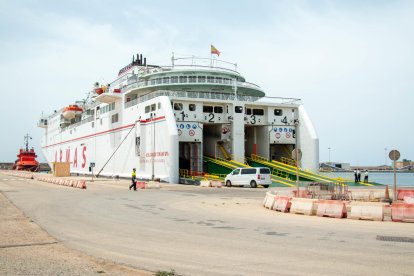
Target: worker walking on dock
(358,175)
(134,180)
(355,176)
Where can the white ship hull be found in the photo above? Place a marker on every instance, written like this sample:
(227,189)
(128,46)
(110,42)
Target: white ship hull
(164,131)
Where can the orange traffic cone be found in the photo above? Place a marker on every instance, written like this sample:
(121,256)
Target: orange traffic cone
(386,197)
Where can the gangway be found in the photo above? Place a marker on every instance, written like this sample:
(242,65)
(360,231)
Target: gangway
(287,170)
(220,167)
(224,151)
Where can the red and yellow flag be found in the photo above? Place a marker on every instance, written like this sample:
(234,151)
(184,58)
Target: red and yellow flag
(214,51)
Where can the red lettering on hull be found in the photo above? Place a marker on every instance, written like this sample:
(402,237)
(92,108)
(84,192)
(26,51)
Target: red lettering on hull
(75,158)
(84,157)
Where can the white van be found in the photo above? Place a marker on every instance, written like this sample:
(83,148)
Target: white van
(249,176)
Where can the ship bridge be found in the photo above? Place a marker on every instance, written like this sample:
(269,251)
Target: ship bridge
(192,74)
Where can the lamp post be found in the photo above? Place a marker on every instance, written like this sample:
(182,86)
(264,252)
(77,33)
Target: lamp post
(329,151)
(385,156)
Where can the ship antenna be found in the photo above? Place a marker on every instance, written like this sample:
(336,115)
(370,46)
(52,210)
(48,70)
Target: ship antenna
(26,141)
(172,59)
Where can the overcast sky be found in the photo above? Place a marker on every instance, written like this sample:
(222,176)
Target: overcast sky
(351,62)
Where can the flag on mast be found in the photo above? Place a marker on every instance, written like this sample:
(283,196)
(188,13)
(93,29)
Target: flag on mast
(215,51)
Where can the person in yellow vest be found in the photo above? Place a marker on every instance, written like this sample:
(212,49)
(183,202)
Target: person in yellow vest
(134,180)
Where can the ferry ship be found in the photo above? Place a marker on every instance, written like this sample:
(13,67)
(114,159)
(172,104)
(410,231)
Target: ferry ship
(195,117)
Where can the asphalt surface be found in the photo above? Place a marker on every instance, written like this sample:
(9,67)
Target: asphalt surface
(208,231)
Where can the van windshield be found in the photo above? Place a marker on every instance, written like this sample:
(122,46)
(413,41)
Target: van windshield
(265,171)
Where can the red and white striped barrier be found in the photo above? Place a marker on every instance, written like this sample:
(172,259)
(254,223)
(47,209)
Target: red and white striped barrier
(331,208)
(402,212)
(282,204)
(404,193)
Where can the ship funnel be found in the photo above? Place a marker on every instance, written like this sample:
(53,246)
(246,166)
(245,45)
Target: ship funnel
(140,59)
(145,61)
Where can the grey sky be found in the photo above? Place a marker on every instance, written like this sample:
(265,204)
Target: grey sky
(351,62)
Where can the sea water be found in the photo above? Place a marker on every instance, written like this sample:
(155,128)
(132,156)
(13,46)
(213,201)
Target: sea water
(387,178)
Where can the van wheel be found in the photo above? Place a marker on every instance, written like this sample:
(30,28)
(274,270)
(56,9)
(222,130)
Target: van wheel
(253,184)
(266,186)
(228,183)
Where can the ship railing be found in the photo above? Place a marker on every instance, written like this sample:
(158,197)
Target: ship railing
(193,62)
(161,82)
(84,121)
(211,96)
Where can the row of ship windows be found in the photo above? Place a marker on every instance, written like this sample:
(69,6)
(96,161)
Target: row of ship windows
(114,119)
(219,109)
(152,107)
(107,108)
(190,79)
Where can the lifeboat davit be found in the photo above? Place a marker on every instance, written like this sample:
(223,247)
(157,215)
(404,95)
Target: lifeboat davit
(71,111)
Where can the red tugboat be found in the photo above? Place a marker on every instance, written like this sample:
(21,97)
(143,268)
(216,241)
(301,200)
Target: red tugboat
(26,158)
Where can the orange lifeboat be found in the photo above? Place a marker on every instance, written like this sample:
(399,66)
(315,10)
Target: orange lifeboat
(99,90)
(71,111)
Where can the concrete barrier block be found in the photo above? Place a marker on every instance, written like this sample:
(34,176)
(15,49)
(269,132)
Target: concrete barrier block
(152,185)
(205,183)
(282,204)
(402,212)
(216,183)
(305,206)
(367,210)
(331,208)
(409,199)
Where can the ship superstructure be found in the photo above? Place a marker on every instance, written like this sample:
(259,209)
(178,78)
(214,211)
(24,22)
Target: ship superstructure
(164,120)
(26,159)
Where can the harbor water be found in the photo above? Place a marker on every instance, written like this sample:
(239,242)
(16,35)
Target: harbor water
(387,178)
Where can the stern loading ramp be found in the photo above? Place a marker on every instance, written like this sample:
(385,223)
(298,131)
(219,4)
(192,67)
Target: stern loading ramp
(284,170)
(220,168)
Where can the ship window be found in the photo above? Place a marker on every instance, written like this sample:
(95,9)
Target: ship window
(192,107)
(210,79)
(93,124)
(248,111)
(147,109)
(257,111)
(178,106)
(153,82)
(166,80)
(113,106)
(226,81)
(153,107)
(201,79)
(183,79)
(115,118)
(158,81)
(278,112)
(207,109)
(238,109)
(159,105)
(192,79)
(174,79)
(218,109)
(219,80)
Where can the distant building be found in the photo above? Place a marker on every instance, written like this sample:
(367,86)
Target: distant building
(334,166)
(372,168)
(404,164)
